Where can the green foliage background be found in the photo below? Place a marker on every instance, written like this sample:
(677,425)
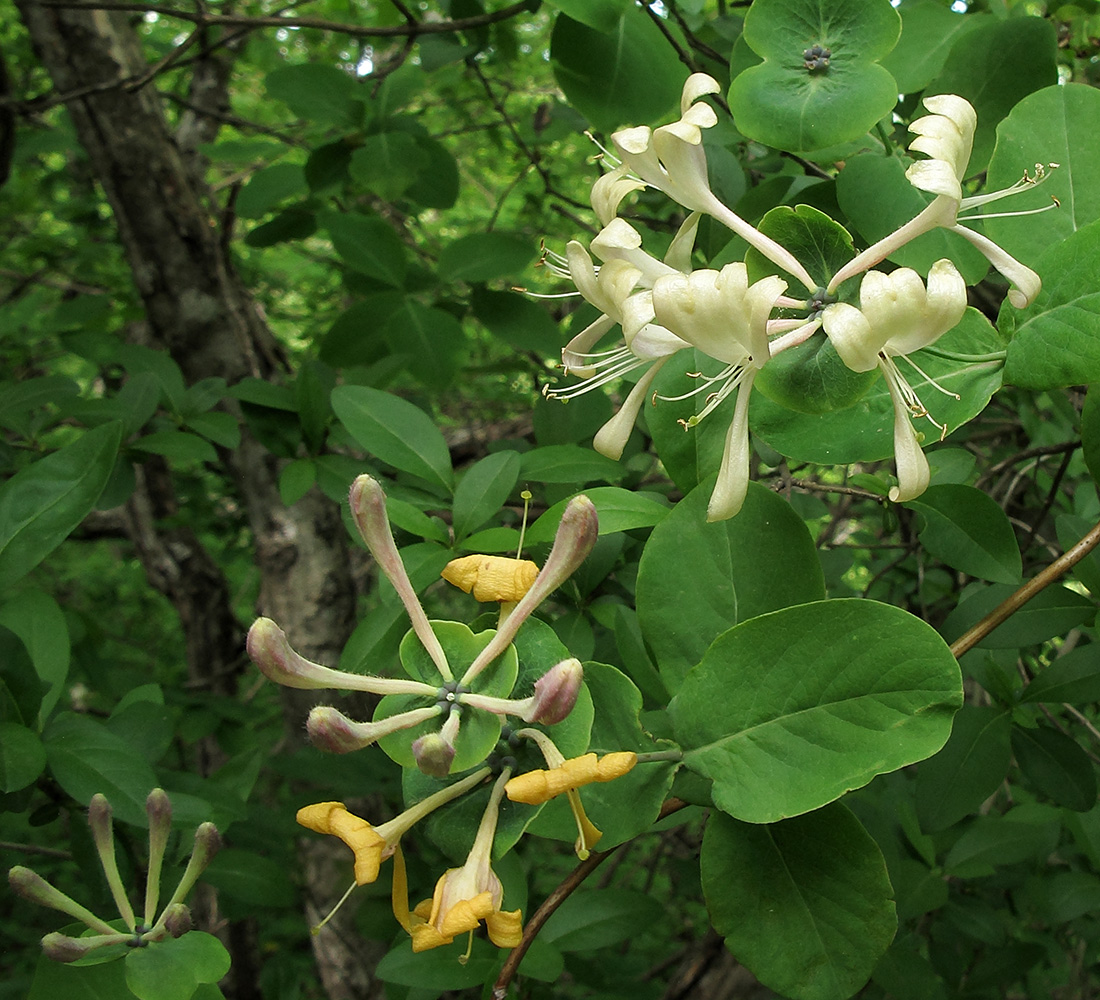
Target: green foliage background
(379,189)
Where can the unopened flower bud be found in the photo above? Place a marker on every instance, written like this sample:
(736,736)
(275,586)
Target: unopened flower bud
(332,731)
(269,649)
(62,948)
(99,821)
(158,807)
(434,755)
(33,887)
(556,693)
(207,843)
(177,919)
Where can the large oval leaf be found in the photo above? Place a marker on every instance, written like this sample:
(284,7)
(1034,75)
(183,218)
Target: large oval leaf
(391,428)
(788,711)
(42,503)
(699,578)
(805,904)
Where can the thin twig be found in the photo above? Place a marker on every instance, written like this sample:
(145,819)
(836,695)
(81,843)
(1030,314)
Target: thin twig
(1000,614)
(570,884)
(317,23)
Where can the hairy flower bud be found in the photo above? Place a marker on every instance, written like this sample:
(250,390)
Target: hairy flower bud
(556,693)
(177,919)
(62,948)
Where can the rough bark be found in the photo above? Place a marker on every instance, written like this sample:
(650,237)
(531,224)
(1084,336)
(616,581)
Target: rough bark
(198,311)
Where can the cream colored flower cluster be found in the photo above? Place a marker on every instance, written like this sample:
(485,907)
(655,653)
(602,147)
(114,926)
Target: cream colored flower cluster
(665,306)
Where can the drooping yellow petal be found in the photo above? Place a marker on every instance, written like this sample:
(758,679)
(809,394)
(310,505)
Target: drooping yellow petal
(536,787)
(333,818)
(505,928)
(466,914)
(587,833)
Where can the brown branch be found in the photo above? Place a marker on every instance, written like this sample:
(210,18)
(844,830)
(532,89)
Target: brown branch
(570,884)
(205,18)
(1000,614)
(809,487)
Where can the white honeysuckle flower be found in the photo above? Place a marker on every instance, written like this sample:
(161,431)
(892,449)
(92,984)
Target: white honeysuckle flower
(671,158)
(898,315)
(719,313)
(609,191)
(947,136)
(620,287)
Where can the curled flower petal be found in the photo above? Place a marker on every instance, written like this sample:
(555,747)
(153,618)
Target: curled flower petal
(912,465)
(732,485)
(491,578)
(536,787)
(609,191)
(575,537)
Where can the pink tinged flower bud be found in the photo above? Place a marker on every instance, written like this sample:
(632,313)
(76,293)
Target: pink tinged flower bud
(434,755)
(158,807)
(177,919)
(269,649)
(207,843)
(556,693)
(332,731)
(65,949)
(34,888)
(99,820)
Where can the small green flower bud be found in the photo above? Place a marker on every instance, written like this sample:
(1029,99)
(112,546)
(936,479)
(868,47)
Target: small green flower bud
(434,755)
(62,948)
(177,919)
(33,887)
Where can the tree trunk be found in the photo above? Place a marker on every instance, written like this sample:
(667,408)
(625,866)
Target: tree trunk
(199,312)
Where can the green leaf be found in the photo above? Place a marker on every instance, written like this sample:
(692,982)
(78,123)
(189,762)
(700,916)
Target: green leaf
(878,199)
(483,490)
(395,431)
(291,224)
(368,245)
(179,446)
(250,878)
(863,432)
(806,905)
(221,428)
(618,510)
(599,918)
(41,504)
(318,93)
(995,66)
(429,340)
(80,982)
(520,323)
(174,968)
(295,480)
(86,757)
(1054,125)
(439,969)
(822,245)
(37,619)
(603,15)
(568,463)
(928,31)
(994,841)
(268,188)
(618,74)
(968,531)
(1072,678)
(697,578)
(1056,340)
(788,711)
(782,103)
(480,731)
(437,184)
(355,337)
(387,163)
(22,756)
(1056,765)
(484,256)
(1051,612)
(969,768)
